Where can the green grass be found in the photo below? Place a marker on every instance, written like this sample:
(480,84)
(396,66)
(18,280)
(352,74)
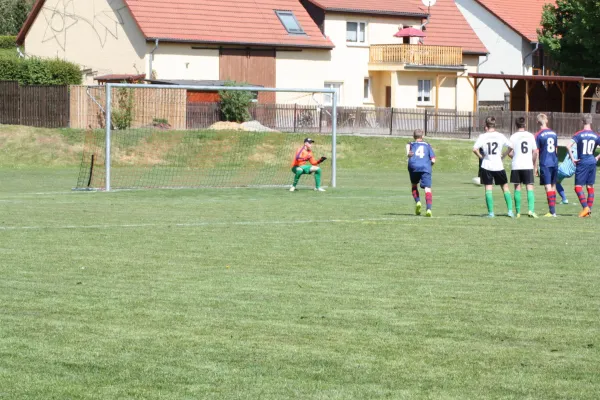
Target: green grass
(248,293)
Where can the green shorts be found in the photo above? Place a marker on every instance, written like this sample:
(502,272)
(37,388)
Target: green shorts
(305,169)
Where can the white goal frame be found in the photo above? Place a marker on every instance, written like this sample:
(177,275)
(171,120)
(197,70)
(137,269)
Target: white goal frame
(108,116)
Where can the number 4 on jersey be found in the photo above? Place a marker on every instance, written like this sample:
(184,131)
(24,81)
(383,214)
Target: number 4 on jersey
(420,151)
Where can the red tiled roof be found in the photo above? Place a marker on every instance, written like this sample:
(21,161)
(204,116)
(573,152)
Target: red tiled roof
(448,27)
(522,16)
(225,21)
(389,7)
(216,21)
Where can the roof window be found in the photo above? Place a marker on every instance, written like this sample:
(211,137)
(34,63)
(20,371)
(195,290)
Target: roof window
(289,22)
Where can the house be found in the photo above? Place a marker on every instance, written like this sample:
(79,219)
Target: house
(344,44)
(508,29)
(272,44)
(371,67)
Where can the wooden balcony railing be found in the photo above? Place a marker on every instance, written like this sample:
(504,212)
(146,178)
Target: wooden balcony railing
(415,54)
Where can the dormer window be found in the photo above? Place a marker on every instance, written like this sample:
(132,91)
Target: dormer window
(289,22)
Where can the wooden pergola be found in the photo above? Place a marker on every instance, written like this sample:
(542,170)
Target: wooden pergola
(530,81)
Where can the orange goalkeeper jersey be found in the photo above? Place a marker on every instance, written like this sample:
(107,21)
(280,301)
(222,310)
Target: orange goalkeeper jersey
(302,156)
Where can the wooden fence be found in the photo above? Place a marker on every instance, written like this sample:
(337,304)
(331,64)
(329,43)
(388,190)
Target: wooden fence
(148,105)
(40,106)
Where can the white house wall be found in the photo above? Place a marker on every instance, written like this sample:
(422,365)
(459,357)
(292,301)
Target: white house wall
(350,62)
(96,34)
(301,69)
(507,48)
(180,61)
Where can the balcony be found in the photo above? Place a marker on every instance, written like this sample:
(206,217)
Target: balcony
(382,55)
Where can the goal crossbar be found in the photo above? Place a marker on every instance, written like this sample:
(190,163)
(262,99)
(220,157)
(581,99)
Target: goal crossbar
(108,115)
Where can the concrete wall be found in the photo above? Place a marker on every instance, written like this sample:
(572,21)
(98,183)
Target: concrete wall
(507,48)
(100,35)
(350,61)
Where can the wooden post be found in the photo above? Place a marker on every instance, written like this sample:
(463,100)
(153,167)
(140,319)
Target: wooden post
(391,120)
(583,90)
(561,86)
(295,116)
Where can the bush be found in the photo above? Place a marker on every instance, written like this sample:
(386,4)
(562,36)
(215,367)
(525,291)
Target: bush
(234,103)
(8,42)
(122,115)
(38,71)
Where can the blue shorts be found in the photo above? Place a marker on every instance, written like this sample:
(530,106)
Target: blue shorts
(585,174)
(423,177)
(548,175)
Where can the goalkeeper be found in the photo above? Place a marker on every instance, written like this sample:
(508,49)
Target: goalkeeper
(303,156)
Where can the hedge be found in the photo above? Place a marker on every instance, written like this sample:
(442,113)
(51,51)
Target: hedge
(38,71)
(8,42)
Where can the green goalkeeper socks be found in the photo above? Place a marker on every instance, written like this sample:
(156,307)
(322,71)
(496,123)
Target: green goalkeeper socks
(518,201)
(489,200)
(508,199)
(318,178)
(297,176)
(531,200)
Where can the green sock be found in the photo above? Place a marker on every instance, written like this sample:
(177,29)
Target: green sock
(297,176)
(489,200)
(531,200)
(518,201)
(508,199)
(318,178)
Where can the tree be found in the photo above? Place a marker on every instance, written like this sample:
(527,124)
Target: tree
(13,14)
(569,36)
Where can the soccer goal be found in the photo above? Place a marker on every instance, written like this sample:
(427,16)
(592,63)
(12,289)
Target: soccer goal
(174,136)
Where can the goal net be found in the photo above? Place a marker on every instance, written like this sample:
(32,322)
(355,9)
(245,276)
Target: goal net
(168,136)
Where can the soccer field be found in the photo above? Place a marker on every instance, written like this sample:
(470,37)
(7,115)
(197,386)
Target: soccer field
(266,294)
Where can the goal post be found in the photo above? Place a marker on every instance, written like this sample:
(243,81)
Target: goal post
(170,136)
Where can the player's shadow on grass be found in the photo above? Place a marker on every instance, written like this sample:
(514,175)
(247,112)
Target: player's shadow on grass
(401,214)
(473,215)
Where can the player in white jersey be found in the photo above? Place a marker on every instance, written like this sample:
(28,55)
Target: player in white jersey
(492,167)
(524,155)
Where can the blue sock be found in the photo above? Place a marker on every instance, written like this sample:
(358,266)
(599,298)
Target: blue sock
(561,191)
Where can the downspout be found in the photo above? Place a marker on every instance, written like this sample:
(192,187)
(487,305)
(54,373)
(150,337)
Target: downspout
(21,55)
(537,47)
(152,58)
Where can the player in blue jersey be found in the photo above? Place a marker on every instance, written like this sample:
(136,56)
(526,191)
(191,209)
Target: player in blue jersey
(566,169)
(420,159)
(586,141)
(547,144)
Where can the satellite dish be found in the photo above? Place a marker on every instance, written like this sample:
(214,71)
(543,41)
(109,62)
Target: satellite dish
(429,3)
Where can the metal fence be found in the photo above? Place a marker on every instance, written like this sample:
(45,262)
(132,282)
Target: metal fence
(383,121)
(40,106)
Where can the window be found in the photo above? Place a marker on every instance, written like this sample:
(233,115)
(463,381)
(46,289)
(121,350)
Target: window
(328,98)
(367,89)
(424,95)
(356,32)
(289,22)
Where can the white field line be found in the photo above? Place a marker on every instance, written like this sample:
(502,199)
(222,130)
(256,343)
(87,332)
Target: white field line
(398,218)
